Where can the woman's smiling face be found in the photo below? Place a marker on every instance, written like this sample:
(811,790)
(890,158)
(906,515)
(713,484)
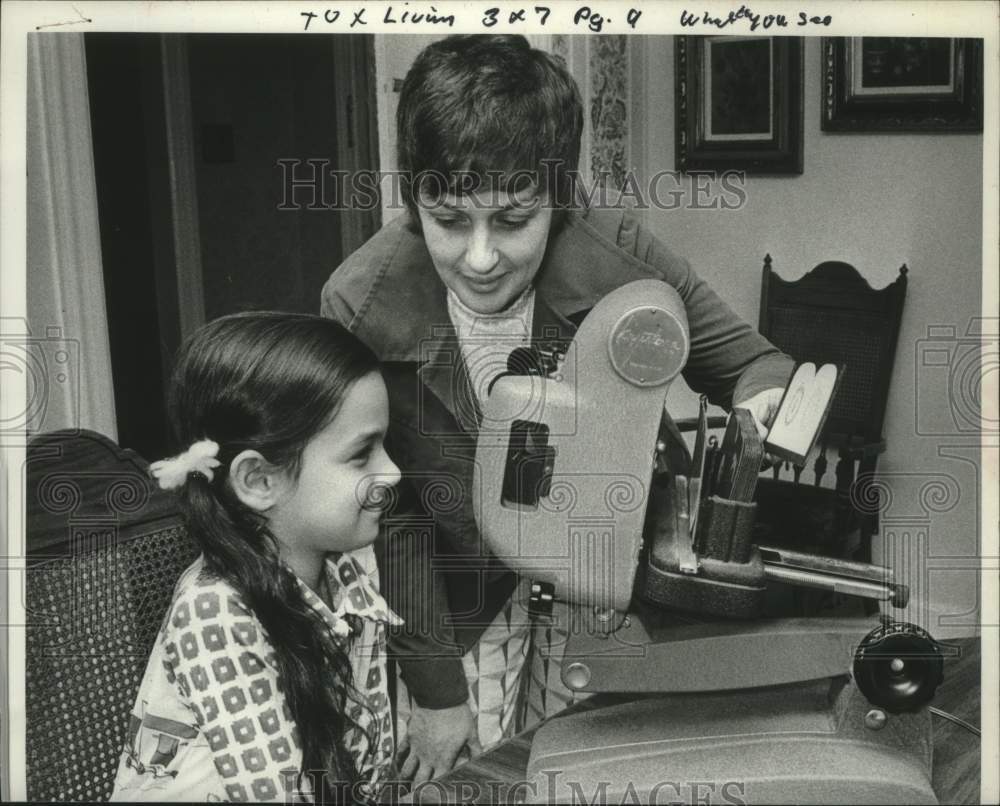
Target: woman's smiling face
(487,247)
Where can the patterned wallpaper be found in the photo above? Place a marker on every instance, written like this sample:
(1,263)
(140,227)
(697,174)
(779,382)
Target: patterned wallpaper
(600,65)
(560,46)
(609,96)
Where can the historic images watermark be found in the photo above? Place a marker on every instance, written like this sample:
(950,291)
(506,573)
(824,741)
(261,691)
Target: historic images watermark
(47,362)
(555,786)
(314,184)
(963,361)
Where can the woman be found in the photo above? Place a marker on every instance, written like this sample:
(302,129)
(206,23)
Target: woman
(494,253)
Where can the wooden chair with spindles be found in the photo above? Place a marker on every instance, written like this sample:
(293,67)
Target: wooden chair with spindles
(832,315)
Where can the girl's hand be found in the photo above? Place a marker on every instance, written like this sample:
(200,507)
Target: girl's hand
(435,738)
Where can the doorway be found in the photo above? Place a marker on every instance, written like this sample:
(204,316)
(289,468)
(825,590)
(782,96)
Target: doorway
(196,139)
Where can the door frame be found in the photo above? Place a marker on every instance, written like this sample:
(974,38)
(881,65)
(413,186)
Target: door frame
(357,150)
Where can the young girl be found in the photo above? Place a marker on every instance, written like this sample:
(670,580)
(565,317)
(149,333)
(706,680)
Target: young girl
(267,679)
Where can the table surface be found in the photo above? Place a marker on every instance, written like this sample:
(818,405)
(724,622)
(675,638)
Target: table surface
(493,776)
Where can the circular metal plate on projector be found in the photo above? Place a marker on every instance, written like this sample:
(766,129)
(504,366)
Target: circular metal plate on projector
(648,346)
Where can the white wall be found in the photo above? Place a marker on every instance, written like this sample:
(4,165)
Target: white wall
(876,202)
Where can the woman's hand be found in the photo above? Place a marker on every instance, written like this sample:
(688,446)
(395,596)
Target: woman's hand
(763,406)
(435,739)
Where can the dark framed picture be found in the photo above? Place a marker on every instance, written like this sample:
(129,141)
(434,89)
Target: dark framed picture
(739,104)
(902,84)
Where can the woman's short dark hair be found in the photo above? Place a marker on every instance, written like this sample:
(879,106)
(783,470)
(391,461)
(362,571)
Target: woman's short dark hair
(481,111)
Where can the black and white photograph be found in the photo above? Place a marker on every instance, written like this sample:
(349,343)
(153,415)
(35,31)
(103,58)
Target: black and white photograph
(739,104)
(483,403)
(903,84)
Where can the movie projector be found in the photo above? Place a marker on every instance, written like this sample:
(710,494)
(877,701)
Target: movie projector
(577,496)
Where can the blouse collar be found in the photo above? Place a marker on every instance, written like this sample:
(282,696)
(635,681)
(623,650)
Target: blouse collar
(352,593)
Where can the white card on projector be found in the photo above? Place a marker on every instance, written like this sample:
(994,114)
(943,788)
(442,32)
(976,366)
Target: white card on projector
(803,411)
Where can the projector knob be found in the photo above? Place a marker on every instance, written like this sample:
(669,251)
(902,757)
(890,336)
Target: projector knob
(898,667)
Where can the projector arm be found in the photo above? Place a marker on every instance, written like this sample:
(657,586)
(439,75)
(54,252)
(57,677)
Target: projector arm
(834,575)
(636,653)
(712,656)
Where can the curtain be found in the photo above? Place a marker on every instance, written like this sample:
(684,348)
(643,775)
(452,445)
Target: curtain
(65,348)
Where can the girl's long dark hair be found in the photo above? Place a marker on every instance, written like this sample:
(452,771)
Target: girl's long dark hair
(270,382)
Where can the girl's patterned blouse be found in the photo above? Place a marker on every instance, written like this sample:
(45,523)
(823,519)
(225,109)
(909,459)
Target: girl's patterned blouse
(210,721)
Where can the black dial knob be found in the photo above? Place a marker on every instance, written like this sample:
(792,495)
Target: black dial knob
(898,666)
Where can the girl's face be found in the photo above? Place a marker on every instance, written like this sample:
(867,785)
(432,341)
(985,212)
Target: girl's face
(333,505)
(487,247)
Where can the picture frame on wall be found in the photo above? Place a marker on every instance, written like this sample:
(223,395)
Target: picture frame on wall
(902,84)
(738,103)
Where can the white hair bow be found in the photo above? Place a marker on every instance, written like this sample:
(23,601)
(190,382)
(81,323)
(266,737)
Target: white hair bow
(199,458)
